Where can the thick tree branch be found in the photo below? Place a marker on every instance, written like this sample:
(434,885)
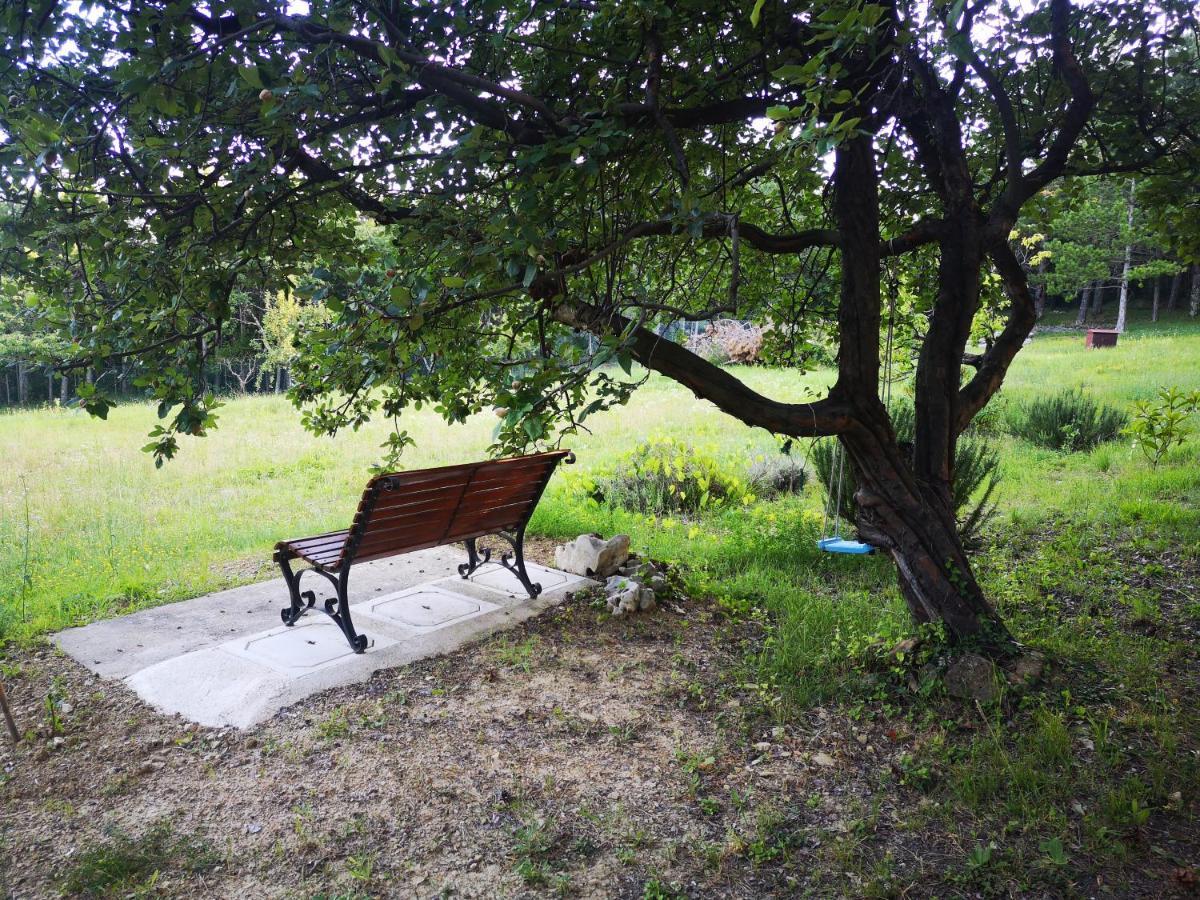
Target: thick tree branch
(318,171)
(1079,110)
(927,231)
(1010,128)
(993,365)
(653,82)
(707,381)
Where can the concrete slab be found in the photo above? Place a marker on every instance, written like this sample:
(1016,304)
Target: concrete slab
(225,659)
(116,648)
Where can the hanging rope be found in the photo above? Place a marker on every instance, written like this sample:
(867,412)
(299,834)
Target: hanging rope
(833,492)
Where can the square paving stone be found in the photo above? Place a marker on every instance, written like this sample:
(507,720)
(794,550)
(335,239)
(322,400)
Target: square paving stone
(497,578)
(303,648)
(427,607)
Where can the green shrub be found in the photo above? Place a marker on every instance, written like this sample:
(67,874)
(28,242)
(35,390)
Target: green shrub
(666,475)
(1068,421)
(772,476)
(976,473)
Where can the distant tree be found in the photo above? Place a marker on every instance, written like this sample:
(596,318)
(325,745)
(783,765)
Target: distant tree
(27,343)
(1100,236)
(284,321)
(599,167)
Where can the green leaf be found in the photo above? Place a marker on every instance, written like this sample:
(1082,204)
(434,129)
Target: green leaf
(960,45)
(453,281)
(251,76)
(756,13)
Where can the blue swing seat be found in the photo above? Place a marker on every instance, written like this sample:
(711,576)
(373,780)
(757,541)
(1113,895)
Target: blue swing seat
(841,545)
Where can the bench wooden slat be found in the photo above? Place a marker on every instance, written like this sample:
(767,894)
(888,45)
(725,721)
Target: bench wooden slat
(449,474)
(426,508)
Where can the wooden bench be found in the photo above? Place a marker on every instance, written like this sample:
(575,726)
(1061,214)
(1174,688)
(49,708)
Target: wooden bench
(405,511)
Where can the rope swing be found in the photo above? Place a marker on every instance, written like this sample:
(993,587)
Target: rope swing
(831,541)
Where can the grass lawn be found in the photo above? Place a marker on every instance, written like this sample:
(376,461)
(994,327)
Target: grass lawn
(1084,783)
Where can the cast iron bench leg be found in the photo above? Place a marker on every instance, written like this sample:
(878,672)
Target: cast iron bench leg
(338,610)
(300,602)
(358,642)
(474,560)
(518,552)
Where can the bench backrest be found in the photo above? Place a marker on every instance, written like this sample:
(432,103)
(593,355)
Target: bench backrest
(404,511)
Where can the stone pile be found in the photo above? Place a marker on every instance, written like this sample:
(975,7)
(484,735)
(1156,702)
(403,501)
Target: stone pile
(634,587)
(630,584)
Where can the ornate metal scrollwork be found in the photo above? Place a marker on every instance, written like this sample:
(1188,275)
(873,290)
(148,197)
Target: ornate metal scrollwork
(337,608)
(475,559)
(513,560)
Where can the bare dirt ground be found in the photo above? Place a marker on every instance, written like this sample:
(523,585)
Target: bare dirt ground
(575,755)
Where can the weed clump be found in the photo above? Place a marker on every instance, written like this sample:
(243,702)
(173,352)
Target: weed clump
(666,475)
(1068,421)
(127,865)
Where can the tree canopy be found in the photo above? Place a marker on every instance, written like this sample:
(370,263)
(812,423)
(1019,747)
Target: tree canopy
(545,169)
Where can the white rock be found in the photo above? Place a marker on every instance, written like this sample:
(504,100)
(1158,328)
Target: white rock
(590,556)
(824,759)
(646,599)
(629,600)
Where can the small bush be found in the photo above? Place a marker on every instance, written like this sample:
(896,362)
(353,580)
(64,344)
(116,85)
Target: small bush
(728,341)
(665,475)
(992,419)
(976,473)
(1158,425)
(772,476)
(1068,421)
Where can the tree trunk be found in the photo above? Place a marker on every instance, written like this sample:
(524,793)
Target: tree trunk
(50,386)
(1085,298)
(1194,308)
(22,383)
(1039,296)
(1173,297)
(919,533)
(1123,303)
(907,510)
(64,389)
(1154,302)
